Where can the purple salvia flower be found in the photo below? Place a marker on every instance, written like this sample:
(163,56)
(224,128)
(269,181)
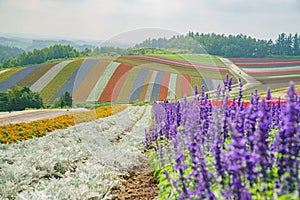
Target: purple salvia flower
(269,97)
(195,90)
(230,84)
(261,146)
(226,81)
(287,143)
(240,92)
(202,91)
(250,125)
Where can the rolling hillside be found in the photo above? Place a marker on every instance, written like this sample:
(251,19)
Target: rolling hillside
(125,79)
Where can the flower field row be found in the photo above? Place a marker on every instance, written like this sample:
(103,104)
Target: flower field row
(205,59)
(266,68)
(83,91)
(158,63)
(130,78)
(33,77)
(258,60)
(229,151)
(23,131)
(113,83)
(6,74)
(205,66)
(80,162)
(45,78)
(102,82)
(16,77)
(59,80)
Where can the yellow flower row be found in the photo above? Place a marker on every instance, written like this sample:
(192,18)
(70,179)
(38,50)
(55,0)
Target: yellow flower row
(12,133)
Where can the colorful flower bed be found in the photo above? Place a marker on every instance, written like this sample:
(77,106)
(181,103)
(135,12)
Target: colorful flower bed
(102,82)
(59,80)
(138,84)
(8,73)
(178,62)
(164,87)
(45,78)
(35,75)
(23,131)
(131,78)
(14,78)
(185,68)
(91,79)
(113,83)
(232,150)
(264,68)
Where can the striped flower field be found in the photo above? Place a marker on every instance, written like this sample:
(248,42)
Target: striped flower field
(269,68)
(125,79)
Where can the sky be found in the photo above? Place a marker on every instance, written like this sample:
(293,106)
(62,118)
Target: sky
(140,19)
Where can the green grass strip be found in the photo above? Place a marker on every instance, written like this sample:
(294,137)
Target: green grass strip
(59,80)
(193,58)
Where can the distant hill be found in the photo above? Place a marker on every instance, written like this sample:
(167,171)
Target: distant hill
(30,44)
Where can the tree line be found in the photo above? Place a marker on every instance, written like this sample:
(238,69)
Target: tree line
(228,46)
(6,52)
(20,98)
(38,56)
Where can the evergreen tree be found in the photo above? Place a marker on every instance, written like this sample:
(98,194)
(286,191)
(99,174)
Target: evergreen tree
(296,47)
(67,98)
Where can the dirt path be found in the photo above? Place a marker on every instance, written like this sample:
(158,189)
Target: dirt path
(251,82)
(31,115)
(140,184)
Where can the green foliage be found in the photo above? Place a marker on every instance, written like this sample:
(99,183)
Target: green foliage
(3,101)
(20,98)
(66,100)
(38,56)
(193,58)
(146,51)
(228,46)
(108,51)
(6,52)
(188,44)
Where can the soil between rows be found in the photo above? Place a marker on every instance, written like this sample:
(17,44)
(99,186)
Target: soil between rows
(140,184)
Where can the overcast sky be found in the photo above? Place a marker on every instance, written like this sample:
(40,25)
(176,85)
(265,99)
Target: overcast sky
(104,19)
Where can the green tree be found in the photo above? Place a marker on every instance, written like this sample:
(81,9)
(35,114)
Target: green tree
(20,98)
(67,99)
(3,101)
(38,56)
(296,47)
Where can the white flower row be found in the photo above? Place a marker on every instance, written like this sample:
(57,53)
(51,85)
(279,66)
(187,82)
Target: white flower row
(80,162)
(48,76)
(172,86)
